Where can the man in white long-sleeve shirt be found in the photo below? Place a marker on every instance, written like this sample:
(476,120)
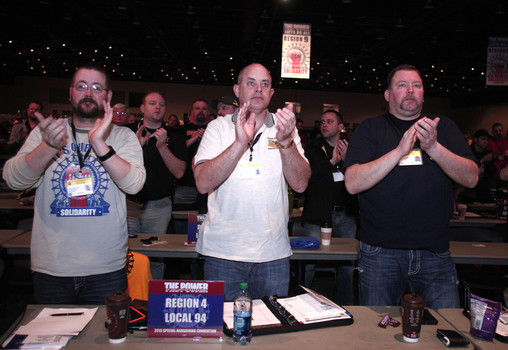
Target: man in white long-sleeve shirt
(82,167)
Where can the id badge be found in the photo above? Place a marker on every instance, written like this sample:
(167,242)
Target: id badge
(249,170)
(413,158)
(338,176)
(79,187)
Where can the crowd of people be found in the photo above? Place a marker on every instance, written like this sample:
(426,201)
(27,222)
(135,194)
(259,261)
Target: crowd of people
(392,185)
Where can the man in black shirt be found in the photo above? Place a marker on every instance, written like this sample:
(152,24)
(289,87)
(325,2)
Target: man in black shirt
(403,165)
(186,192)
(165,157)
(326,198)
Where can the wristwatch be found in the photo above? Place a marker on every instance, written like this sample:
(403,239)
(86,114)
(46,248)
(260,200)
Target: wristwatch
(107,155)
(287,146)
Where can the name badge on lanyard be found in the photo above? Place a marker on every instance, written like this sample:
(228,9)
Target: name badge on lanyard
(79,184)
(338,176)
(79,187)
(249,170)
(413,158)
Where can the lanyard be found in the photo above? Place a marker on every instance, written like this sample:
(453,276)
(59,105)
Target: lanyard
(80,156)
(251,145)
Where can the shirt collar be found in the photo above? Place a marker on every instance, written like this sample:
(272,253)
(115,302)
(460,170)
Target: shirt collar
(269,122)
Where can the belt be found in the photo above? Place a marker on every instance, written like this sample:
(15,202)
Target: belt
(137,200)
(338,208)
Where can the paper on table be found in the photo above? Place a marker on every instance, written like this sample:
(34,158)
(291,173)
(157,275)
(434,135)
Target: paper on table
(261,315)
(44,323)
(47,342)
(308,309)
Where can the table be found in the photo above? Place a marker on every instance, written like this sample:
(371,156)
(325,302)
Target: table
(9,195)
(339,249)
(462,324)
(6,235)
(183,214)
(363,334)
(479,253)
(13,204)
(476,222)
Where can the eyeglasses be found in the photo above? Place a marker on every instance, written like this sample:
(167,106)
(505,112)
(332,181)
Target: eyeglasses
(96,88)
(120,113)
(328,121)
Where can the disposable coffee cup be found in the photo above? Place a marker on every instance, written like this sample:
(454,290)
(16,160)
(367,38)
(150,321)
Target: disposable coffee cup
(462,208)
(117,309)
(411,310)
(326,234)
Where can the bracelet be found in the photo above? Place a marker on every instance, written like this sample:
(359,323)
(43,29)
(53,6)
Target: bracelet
(107,155)
(287,146)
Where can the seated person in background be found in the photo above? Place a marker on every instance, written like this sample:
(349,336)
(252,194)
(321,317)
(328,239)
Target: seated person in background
(120,114)
(225,105)
(487,171)
(21,130)
(498,145)
(173,122)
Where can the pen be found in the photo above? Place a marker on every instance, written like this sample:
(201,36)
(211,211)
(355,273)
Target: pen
(69,314)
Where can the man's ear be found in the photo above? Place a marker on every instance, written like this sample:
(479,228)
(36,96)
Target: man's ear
(236,90)
(387,95)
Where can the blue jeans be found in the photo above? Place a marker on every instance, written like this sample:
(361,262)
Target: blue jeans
(85,290)
(264,279)
(386,274)
(151,217)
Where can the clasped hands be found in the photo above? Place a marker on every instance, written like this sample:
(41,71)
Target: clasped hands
(245,124)
(424,130)
(54,131)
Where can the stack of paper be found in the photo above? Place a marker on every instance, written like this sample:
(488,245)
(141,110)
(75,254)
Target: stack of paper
(261,315)
(307,308)
(51,329)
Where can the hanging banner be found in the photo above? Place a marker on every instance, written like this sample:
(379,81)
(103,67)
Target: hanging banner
(295,62)
(497,61)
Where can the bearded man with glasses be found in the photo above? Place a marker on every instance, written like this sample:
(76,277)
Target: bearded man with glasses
(82,167)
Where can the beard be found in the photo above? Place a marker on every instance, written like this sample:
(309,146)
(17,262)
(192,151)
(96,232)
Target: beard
(410,105)
(201,118)
(85,112)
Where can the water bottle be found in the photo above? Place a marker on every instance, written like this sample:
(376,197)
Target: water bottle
(242,312)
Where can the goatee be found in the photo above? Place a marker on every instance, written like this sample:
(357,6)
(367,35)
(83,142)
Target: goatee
(88,113)
(201,118)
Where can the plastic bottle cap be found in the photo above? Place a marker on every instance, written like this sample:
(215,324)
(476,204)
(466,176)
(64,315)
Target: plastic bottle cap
(244,285)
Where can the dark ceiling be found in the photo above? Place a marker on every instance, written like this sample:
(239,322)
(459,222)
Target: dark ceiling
(354,42)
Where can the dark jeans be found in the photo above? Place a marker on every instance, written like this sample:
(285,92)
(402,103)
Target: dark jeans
(385,274)
(85,290)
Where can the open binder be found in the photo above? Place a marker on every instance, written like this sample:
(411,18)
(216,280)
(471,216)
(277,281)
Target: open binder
(279,315)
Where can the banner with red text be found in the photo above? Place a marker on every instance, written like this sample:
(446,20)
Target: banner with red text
(295,62)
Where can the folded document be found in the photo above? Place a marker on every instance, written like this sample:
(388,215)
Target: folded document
(52,328)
